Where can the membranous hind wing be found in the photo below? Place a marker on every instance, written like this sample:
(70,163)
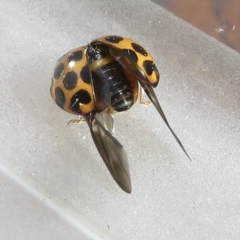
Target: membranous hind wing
(126,60)
(100,122)
(110,149)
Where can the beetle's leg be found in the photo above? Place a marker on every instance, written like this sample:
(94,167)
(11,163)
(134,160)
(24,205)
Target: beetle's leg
(77,121)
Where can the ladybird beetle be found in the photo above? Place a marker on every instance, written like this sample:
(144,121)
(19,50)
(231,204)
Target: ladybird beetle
(99,79)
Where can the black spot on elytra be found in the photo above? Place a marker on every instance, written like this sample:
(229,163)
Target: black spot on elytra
(58,70)
(75,56)
(80,97)
(131,54)
(139,49)
(150,67)
(156,71)
(70,80)
(114,39)
(85,74)
(60,97)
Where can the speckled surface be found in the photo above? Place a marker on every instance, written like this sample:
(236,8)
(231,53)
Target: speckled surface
(219,19)
(54,169)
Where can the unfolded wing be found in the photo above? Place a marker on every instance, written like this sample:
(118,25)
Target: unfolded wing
(129,65)
(110,149)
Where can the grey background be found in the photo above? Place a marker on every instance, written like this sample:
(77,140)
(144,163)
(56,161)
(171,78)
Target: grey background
(54,184)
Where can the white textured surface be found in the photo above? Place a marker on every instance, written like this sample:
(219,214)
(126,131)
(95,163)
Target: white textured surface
(41,157)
